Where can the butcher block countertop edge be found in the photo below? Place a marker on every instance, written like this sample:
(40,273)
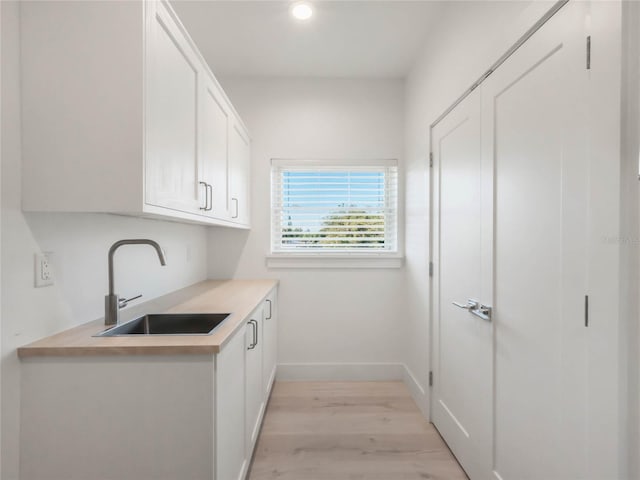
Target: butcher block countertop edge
(237,297)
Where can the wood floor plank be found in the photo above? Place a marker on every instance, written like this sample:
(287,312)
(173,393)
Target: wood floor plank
(359,389)
(343,404)
(349,431)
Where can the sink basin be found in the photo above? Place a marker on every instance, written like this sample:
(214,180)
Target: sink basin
(168,324)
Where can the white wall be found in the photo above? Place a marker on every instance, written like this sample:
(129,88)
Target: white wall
(464,44)
(80,243)
(326,315)
(630,224)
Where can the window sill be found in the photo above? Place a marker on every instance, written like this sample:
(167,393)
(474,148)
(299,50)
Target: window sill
(290,260)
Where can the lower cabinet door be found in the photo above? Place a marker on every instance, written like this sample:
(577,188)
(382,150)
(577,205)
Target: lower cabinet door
(270,343)
(253,378)
(230,441)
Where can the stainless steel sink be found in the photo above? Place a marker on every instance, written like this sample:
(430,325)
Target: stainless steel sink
(168,324)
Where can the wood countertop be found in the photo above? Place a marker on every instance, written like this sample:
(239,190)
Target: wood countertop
(237,297)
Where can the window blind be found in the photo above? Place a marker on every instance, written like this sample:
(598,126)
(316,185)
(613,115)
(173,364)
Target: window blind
(336,208)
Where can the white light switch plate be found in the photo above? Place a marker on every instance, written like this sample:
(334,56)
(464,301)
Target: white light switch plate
(43,269)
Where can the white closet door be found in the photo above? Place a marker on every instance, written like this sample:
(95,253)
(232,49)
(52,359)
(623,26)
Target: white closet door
(462,389)
(535,133)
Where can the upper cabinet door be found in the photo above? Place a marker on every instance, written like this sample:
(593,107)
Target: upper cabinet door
(173,76)
(214,151)
(239,164)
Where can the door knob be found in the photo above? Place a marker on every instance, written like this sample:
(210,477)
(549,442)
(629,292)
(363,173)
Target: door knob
(483,311)
(476,308)
(471,305)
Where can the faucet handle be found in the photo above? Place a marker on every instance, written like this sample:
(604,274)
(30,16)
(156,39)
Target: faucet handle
(123,302)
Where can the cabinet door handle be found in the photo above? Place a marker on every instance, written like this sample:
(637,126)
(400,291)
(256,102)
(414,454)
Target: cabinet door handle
(253,331)
(257,336)
(237,207)
(254,328)
(210,197)
(206,195)
(270,312)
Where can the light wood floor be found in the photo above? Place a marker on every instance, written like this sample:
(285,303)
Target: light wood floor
(347,431)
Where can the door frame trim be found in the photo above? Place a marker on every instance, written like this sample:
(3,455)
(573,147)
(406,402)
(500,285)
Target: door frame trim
(510,51)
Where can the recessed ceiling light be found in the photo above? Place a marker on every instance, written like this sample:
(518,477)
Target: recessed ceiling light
(302,11)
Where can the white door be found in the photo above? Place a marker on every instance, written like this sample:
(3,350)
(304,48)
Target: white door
(171,159)
(462,347)
(511,231)
(535,127)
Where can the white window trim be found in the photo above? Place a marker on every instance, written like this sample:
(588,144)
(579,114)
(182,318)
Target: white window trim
(373,260)
(292,260)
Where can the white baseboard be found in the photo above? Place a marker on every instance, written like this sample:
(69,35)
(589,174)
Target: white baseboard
(339,372)
(420,396)
(349,372)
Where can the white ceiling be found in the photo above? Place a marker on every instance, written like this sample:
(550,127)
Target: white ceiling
(345,38)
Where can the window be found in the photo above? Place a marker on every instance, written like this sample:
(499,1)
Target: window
(332,208)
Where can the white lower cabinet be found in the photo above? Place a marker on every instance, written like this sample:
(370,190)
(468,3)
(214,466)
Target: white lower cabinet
(269,341)
(147,417)
(255,400)
(125,417)
(231,458)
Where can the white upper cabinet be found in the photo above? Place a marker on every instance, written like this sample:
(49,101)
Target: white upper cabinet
(239,164)
(130,119)
(214,150)
(173,80)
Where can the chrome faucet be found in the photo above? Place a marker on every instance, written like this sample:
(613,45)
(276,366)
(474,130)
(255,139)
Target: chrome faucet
(113,303)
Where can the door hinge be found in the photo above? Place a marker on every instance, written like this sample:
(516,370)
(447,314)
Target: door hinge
(431,379)
(586,310)
(589,52)
(431,269)
(430,159)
